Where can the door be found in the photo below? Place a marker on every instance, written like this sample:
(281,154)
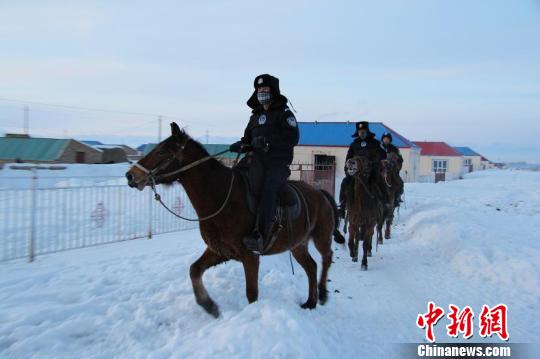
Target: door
(440,176)
(439,168)
(80,157)
(324,176)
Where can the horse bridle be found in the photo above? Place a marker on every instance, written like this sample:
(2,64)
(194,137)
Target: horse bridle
(386,170)
(358,175)
(152,176)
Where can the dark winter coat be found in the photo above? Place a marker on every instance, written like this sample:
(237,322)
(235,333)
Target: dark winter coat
(369,147)
(390,148)
(279,129)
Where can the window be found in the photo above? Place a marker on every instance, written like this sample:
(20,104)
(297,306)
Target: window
(468,162)
(440,166)
(324,162)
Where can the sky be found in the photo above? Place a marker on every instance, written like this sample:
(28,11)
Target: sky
(464,72)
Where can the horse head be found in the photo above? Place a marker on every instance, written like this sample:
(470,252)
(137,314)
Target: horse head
(165,158)
(358,166)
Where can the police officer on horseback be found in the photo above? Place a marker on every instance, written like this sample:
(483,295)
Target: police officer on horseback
(271,134)
(388,148)
(364,144)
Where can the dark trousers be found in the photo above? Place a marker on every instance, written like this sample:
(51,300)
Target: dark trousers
(274,178)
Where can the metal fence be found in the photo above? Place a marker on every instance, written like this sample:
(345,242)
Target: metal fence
(320,176)
(57,214)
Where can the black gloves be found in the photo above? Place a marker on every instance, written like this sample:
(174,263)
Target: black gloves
(236,147)
(240,147)
(259,143)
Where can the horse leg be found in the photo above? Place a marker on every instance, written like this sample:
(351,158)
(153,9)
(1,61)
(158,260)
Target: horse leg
(380,224)
(365,246)
(196,271)
(353,242)
(251,271)
(323,243)
(302,256)
(389,221)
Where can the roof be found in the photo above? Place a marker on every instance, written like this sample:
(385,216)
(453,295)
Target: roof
(147,148)
(436,149)
(466,151)
(92,143)
(338,134)
(31,149)
(212,149)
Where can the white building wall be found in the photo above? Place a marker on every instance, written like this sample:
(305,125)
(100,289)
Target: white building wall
(455,167)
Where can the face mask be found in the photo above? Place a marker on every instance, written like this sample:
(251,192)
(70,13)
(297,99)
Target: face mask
(264,98)
(363,135)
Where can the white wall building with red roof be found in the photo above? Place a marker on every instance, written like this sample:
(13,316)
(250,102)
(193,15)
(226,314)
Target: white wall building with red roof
(439,162)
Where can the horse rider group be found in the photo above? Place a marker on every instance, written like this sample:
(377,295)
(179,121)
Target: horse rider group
(270,137)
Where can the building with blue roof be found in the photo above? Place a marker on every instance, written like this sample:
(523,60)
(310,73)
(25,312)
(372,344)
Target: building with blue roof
(326,143)
(472,160)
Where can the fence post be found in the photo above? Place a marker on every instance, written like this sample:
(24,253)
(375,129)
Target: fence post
(33,209)
(150,198)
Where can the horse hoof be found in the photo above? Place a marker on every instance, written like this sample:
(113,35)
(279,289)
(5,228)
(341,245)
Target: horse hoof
(369,254)
(211,308)
(355,259)
(379,242)
(363,267)
(387,236)
(323,296)
(309,305)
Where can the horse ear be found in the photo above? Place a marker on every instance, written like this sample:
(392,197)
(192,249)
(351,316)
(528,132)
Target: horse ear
(175,130)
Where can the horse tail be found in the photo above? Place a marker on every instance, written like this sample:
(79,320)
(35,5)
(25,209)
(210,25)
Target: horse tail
(338,237)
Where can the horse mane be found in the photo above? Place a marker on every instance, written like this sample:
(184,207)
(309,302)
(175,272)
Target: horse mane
(200,148)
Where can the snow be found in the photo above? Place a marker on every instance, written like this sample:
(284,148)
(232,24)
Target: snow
(73,175)
(469,242)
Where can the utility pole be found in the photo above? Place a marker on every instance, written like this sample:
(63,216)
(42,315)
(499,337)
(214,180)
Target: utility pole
(159,130)
(26,124)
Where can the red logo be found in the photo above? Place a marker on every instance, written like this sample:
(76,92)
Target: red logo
(460,322)
(491,321)
(429,319)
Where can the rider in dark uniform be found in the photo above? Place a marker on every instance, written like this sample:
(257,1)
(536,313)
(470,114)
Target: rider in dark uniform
(365,144)
(388,147)
(272,133)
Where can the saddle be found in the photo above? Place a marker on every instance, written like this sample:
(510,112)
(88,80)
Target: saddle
(288,201)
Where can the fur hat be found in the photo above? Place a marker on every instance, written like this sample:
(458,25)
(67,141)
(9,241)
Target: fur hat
(386,134)
(262,81)
(361,126)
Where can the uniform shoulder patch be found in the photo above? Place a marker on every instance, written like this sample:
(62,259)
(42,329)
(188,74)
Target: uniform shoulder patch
(291,121)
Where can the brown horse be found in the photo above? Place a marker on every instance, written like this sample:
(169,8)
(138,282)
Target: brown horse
(219,199)
(391,184)
(363,207)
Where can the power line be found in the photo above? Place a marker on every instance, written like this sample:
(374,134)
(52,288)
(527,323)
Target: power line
(80,108)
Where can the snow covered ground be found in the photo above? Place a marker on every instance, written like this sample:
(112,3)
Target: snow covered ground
(469,242)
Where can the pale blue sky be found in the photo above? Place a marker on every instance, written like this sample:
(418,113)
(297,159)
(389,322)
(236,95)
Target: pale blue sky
(466,72)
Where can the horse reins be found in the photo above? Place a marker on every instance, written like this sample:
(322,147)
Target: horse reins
(152,177)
